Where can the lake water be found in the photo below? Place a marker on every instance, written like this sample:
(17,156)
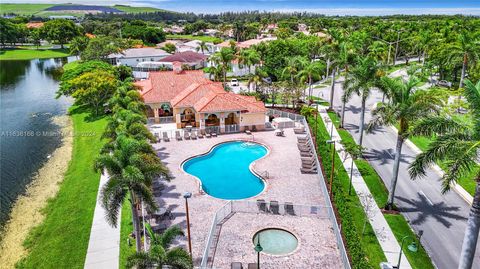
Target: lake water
(27,108)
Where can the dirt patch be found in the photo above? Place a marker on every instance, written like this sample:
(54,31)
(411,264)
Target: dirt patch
(26,212)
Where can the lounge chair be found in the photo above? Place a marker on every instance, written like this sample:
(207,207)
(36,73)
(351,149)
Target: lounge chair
(247,130)
(304,147)
(254,128)
(236,265)
(309,164)
(165,137)
(305,154)
(214,134)
(289,208)
(186,135)
(274,207)
(178,136)
(303,139)
(262,205)
(252,266)
(194,135)
(299,130)
(200,134)
(309,158)
(312,170)
(157,137)
(207,133)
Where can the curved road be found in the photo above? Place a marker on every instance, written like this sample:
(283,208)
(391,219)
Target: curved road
(441,217)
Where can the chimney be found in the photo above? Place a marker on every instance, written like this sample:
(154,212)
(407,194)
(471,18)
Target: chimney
(177,67)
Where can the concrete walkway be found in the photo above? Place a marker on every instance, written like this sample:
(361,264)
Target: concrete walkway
(387,240)
(104,245)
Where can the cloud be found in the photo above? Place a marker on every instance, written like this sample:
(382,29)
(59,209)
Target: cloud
(385,11)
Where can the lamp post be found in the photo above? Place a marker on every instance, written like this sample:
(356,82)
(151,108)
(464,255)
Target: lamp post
(333,165)
(412,247)
(186,196)
(258,248)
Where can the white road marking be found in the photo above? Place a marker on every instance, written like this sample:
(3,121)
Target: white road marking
(424,195)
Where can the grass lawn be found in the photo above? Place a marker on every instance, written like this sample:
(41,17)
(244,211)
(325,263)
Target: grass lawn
(212,39)
(401,229)
(23,9)
(29,54)
(61,241)
(364,249)
(397,223)
(70,65)
(130,9)
(126,228)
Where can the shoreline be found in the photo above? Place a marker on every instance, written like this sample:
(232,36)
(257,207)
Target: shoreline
(26,212)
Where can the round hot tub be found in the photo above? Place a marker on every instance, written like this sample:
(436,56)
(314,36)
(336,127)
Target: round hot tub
(276,241)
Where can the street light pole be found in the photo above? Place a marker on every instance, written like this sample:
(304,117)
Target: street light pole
(186,196)
(412,247)
(258,248)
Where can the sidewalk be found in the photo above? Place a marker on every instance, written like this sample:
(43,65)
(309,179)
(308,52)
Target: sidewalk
(387,240)
(104,244)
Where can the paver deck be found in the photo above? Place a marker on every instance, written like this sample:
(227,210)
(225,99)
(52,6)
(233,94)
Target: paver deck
(285,184)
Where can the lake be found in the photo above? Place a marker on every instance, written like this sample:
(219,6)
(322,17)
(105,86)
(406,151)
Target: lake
(27,108)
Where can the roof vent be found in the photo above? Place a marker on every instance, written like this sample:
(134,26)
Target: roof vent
(177,67)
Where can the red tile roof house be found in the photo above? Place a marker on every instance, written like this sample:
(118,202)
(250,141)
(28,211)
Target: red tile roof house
(195,101)
(193,59)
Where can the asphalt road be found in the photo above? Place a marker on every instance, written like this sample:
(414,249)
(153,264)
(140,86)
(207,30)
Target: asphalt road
(441,217)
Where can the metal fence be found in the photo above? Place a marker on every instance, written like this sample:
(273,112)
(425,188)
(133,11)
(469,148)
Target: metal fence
(160,120)
(252,207)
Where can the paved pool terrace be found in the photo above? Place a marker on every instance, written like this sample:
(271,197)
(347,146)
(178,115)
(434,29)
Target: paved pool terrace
(317,243)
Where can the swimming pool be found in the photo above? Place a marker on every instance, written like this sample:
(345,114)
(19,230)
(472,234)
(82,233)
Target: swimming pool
(276,241)
(224,171)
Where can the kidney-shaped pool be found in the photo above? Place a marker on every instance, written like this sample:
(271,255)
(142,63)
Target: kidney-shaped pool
(225,170)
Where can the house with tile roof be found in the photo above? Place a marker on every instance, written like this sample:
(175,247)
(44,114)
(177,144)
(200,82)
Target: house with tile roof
(189,99)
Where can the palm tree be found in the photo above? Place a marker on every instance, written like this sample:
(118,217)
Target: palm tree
(457,144)
(202,46)
(256,78)
(214,72)
(406,105)
(248,58)
(345,58)
(312,71)
(362,79)
(132,166)
(224,58)
(293,65)
(467,49)
(159,253)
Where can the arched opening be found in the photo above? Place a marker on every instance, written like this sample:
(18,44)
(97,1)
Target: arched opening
(212,120)
(231,119)
(188,118)
(165,110)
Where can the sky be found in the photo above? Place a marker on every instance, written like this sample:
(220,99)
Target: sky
(328,7)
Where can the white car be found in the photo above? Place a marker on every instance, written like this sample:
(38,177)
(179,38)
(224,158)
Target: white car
(234,82)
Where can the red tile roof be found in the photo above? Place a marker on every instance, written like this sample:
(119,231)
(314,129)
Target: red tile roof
(191,89)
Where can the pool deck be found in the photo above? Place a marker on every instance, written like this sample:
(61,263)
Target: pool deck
(285,184)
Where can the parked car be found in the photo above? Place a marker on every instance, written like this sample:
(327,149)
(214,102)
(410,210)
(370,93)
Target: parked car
(234,82)
(444,83)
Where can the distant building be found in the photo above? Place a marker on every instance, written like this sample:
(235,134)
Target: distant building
(64,17)
(34,24)
(132,57)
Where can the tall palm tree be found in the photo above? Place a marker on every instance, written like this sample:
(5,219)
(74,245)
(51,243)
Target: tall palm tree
(406,105)
(361,80)
(293,65)
(159,253)
(345,59)
(457,144)
(248,58)
(467,48)
(256,78)
(132,166)
(312,71)
(202,46)
(224,59)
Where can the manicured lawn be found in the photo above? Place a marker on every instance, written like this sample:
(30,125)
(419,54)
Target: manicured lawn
(130,9)
(126,228)
(364,250)
(61,241)
(201,38)
(28,54)
(377,188)
(401,229)
(23,9)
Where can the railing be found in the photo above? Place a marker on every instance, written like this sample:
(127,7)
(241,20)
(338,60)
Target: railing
(212,129)
(251,207)
(167,119)
(232,128)
(336,229)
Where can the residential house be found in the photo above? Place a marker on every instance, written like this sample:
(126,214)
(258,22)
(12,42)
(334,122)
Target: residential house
(132,57)
(193,60)
(188,99)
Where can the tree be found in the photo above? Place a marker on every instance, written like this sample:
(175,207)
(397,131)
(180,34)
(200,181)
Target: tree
(354,151)
(159,254)
(60,30)
(256,78)
(202,46)
(131,166)
(406,105)
(312,71)
(93,89)
(100,48)
(224,59)
(35,37)
(170,48)
(457,144)
(248,58)
(467,48)
(78,45)
(362,79)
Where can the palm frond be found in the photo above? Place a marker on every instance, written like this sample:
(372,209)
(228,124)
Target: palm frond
(438,125)
(179,258)
(140,260)
(170,234)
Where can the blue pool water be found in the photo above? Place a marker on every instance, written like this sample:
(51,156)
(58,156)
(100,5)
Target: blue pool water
(225,171)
